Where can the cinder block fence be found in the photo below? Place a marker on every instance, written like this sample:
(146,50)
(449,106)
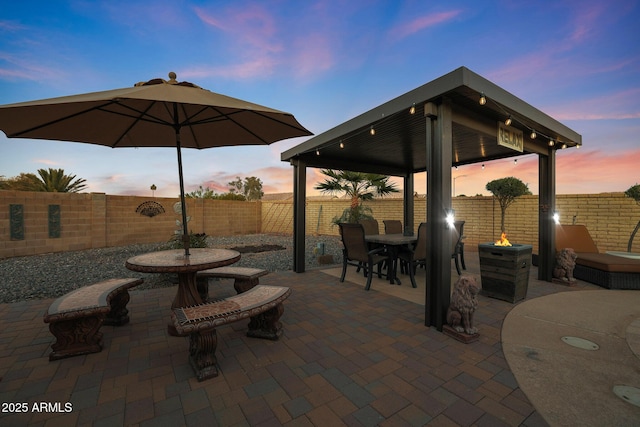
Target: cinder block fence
(34,223)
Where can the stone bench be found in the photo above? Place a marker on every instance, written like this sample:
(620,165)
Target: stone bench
(262,304)
(245,278)
(75,318)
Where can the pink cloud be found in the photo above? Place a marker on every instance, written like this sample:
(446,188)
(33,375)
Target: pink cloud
(406,29)
(616,106)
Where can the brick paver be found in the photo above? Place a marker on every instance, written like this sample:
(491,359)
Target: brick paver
(347,357)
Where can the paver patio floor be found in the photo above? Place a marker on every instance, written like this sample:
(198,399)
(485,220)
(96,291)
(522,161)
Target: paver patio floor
(347,357)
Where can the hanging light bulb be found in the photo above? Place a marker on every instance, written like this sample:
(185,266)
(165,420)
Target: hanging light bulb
(533,134)
(412,110)
(483,166)
(508,121)
(515,161)
(372,131)
(578,145)
(317,152)
(341,144)
(483,99)
(564,146)
(551,143)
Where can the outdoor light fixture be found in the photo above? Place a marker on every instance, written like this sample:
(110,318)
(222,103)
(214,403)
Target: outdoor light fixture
(450,217)
(483,99)
(551,143)
(317,152)
(412,110)
(533,134)
(372,131)
(341,144)
(564,146)
(556,217)
(515,161)
(508,121)
(483,166)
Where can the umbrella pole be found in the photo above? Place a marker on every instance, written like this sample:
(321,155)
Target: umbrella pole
(185,232)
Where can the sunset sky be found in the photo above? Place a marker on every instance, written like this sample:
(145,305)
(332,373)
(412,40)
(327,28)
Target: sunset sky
(326,62)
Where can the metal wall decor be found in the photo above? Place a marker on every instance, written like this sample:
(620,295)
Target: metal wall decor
(150,209)
(16,221)
(54,221)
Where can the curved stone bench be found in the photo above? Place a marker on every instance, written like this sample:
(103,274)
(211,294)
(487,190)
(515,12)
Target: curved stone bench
(245,278)
(262,304)
(75,318)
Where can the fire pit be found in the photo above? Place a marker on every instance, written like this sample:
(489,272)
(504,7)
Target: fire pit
(504,269)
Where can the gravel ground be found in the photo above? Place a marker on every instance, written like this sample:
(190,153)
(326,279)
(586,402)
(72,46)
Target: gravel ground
(53,275)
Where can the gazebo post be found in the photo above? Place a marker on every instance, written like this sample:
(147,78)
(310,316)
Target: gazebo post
(299,213)
(439,140)
(546,226)
(408,202)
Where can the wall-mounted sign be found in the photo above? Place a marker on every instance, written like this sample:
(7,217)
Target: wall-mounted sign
(510,137)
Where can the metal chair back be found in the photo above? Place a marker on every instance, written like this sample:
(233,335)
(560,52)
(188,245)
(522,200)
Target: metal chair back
(392,226)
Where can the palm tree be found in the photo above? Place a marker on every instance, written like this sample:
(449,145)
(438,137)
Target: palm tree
(55,180)
(359,187)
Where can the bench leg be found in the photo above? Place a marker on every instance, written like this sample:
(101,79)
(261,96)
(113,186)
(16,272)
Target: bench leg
(76,337)
(202,354)
(243,285)
(119,315)
(267,324)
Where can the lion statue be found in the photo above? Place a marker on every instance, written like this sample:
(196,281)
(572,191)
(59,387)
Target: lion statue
(464,301)
(565,263)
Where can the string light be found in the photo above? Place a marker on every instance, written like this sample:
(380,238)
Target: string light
(515,161)
(483,166)
(483,101)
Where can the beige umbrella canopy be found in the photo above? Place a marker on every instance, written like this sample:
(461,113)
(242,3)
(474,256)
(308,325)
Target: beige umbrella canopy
(157,113)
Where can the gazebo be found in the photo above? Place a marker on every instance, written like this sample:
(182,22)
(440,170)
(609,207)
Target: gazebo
(459,118)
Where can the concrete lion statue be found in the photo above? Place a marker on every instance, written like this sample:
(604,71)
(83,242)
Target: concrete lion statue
(464,301)
(565,264)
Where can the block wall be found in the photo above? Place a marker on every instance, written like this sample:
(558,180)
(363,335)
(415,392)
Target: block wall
(610,217)
(97,220)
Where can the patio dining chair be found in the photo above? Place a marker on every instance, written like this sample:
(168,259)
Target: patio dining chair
(416,256)
(356,252)
(370,226)
(392,226)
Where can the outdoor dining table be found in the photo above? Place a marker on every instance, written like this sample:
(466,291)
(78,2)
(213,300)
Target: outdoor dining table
(393,243)
(186,267)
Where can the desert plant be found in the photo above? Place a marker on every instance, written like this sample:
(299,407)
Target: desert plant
(196,240)
(634,193)
(358,187)
(506,190)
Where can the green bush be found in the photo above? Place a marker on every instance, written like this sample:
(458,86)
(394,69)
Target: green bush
(196,240)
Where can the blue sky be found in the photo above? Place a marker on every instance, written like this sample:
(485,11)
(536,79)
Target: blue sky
(326,62)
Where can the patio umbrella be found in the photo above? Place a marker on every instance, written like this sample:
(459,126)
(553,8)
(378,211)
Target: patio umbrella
(156,113)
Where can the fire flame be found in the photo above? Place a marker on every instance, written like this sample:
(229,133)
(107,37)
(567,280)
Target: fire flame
(503,241)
